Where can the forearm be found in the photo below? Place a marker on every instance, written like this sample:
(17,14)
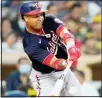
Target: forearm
(69,41)
(66,36)
(45,57)
(54,62)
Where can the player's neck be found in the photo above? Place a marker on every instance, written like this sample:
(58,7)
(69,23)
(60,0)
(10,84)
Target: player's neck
(35,31)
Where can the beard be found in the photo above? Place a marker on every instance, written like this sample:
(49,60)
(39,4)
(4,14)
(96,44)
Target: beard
(38,26)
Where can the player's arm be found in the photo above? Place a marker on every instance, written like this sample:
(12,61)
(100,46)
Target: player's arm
(43,56)
(60,29)
(69,40)
(36,51)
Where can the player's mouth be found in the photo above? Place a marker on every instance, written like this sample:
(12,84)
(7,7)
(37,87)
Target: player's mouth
(39,21)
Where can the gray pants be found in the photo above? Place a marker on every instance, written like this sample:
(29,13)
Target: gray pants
(44,83)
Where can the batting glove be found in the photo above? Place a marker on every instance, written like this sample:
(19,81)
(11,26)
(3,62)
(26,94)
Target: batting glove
(74,54)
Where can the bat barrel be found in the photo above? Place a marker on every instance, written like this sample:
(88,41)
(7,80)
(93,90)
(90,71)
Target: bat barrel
(57,89)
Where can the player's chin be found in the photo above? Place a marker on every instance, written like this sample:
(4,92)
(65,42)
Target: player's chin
(38,27)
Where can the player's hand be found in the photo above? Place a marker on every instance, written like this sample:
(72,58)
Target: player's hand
(60,64)
(74,54)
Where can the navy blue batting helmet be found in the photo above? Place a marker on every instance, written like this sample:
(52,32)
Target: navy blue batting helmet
(31,8)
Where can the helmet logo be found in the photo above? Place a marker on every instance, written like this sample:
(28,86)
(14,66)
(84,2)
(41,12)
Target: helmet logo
(36,5)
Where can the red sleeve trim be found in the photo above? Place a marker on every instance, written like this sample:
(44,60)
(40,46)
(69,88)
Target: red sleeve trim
(59,29)
(57,64)
(67,36)
(48,59)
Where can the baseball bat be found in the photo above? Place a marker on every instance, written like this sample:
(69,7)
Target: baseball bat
(60,82)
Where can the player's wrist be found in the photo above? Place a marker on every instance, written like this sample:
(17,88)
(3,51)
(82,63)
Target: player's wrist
(74,53)
(71,48)
(60,64)
(70,43)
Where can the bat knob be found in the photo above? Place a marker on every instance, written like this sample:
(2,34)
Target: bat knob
(73,90)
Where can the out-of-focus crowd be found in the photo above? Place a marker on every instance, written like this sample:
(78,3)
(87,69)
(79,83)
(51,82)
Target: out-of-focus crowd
(83,18)
(18,82)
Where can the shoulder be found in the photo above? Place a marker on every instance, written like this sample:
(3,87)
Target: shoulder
(30,39)
(26,36)
(54,19)
(50,16)
(26,33)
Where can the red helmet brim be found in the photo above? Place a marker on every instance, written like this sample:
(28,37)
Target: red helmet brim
(34,12)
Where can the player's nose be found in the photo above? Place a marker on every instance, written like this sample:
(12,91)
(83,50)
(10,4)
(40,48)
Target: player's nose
(39,18)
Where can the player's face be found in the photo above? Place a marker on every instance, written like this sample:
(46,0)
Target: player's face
(35,21)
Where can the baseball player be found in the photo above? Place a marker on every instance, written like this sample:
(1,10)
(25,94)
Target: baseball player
(47,42)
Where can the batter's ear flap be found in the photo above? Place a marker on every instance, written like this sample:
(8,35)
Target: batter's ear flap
(26,18)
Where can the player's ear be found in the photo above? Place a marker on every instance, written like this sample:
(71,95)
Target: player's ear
(26,18)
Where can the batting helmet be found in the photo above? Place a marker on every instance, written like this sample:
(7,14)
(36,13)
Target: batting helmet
(31,8)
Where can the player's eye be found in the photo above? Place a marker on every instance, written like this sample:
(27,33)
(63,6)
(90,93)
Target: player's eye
(39,15)
(36,16)
(33,16)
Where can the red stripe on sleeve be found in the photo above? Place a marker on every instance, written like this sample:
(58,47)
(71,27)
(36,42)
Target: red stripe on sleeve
(59,29)
(56,64)
(67,36)
(48,59)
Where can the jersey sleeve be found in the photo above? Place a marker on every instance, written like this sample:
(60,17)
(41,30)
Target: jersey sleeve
(37,53)
(60,29)
(53,23)
(56,23)
(34,51)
